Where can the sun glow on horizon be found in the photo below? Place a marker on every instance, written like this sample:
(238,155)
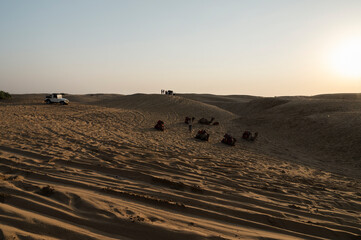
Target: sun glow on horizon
(346,59)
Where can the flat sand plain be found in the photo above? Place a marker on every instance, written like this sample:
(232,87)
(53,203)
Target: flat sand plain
(97,169)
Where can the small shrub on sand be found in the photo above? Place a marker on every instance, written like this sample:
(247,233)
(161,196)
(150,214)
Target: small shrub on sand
(4,95)
(47,191)
(197,189)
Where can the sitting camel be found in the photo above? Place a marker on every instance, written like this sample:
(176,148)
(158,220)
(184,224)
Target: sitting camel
(229,140)
(205,121)
(159,126)
(202,135)
(247,135)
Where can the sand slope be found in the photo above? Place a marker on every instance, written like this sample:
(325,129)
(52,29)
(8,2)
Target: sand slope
(96,169)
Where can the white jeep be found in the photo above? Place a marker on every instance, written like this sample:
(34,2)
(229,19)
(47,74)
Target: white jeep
(56,98)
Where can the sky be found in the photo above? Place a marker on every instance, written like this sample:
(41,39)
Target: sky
(255,47)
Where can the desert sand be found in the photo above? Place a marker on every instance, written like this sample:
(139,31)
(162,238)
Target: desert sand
(97,169)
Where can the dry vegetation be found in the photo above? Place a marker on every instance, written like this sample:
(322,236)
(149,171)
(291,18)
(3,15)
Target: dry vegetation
(4,95)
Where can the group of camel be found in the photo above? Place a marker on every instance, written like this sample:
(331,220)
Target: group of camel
(203,135)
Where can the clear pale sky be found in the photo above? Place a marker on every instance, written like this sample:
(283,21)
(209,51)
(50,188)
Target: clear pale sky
(265,48)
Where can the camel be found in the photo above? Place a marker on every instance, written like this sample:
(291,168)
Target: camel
(159,126)
(202,135)
(229,140)
(205,121)
(247,135)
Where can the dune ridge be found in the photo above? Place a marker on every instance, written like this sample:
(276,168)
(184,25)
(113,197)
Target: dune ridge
(96,169)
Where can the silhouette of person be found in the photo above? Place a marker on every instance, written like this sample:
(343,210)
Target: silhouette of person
(190,124)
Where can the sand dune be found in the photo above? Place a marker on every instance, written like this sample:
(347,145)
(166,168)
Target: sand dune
(96,169)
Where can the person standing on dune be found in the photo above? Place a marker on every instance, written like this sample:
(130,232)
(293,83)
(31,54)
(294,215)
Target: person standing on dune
(190,125)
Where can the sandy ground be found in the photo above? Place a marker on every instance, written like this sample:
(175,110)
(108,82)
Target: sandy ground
(97,169)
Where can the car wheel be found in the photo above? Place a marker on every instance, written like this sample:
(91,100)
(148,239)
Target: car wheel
(47,101)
